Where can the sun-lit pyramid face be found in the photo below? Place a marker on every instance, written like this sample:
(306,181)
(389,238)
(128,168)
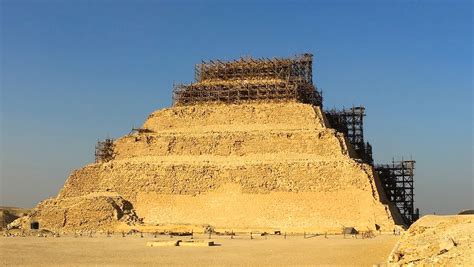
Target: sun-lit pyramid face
(257,165)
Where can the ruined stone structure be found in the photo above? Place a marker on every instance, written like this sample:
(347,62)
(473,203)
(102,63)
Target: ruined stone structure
(263,160)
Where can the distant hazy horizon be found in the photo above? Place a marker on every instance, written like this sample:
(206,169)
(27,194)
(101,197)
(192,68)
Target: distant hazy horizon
(73,72)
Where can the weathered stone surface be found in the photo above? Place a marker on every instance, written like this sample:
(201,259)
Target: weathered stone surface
(87,212)
(247,166)
(436,241)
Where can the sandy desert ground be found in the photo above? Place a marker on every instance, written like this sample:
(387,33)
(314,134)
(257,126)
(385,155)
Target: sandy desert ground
(132,250)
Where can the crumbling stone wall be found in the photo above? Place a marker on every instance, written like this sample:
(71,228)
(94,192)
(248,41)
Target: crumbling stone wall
(86,212)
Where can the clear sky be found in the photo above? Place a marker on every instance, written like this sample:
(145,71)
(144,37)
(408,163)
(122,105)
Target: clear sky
(73,72)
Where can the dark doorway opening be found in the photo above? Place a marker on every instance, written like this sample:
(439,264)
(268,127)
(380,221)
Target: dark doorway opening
(34,225)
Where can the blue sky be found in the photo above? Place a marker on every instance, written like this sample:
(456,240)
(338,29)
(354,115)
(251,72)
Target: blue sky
(73,72)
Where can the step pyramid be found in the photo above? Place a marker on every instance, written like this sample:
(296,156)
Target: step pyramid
(235,153)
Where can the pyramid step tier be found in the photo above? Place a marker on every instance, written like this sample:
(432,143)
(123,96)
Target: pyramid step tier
(223,143)
(287,114)
(190,175)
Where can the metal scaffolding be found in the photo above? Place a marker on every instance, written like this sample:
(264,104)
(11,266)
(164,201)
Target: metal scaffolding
(104,151)
(248,79)
(397,182)
(396,178)
(350,122)
(295,69)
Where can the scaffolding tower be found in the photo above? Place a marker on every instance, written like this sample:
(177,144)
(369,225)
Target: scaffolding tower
(104,150)
(397,182)
(396,178)
(350,122)
(249,79)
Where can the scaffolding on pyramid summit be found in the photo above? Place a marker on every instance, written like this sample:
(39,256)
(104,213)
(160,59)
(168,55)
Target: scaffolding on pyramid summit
(248,79)
(294,69)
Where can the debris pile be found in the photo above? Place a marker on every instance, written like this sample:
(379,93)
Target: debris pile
(437,241)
